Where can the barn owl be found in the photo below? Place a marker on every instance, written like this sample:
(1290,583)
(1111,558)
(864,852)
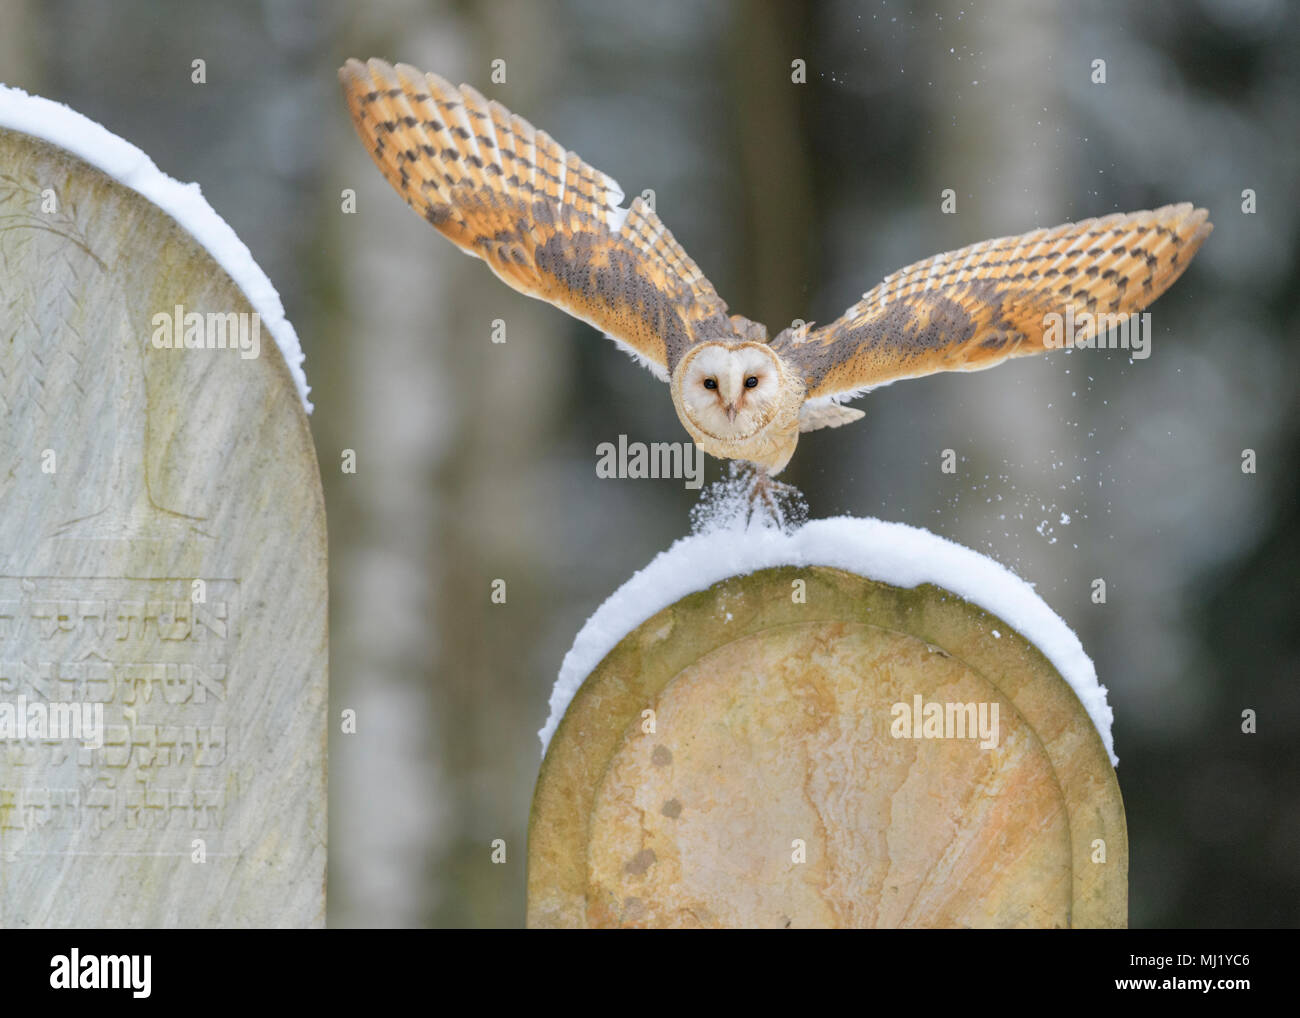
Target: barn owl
(554,228)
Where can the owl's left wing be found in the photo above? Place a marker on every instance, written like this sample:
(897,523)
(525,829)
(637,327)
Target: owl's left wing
(973,308)
(545,222)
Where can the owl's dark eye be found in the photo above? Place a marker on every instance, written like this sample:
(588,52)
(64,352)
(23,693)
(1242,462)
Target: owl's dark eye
(751,381)
(710,383)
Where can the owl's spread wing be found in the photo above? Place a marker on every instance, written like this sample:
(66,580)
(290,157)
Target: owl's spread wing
(973,308)
(544,221)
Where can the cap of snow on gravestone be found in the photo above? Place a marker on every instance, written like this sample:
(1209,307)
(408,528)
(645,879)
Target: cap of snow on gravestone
(856,724)
(162,554)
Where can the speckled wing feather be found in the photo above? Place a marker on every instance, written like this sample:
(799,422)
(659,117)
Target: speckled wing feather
(544,221)
(973,308)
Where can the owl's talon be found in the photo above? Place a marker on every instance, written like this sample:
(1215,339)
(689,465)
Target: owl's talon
(773,502)
(748,497)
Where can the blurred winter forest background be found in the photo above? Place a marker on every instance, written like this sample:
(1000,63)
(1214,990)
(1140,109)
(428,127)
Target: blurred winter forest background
(476,460)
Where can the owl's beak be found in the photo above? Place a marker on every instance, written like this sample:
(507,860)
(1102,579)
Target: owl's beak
(731,412)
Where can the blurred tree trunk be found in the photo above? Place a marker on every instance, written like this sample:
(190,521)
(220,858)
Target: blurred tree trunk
(1007,180)
(18,48)
(501,406)
(385,388)
(449,426)
(775,187)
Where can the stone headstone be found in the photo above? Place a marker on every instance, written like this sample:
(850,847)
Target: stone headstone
(736,761)
(162,575)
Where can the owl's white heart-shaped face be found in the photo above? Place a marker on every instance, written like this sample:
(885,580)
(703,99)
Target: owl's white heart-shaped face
(731,392)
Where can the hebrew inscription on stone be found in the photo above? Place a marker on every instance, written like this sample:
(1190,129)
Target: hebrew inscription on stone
(163,668)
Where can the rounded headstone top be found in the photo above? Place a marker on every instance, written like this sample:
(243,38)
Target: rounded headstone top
(891,553)
(67,129)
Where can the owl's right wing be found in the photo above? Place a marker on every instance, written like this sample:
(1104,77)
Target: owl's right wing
(545,222)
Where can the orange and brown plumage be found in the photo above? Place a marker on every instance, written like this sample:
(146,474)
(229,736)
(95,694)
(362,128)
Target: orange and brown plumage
(553,227)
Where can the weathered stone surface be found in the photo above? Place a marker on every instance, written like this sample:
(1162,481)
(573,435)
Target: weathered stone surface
(162,556)
(773,726)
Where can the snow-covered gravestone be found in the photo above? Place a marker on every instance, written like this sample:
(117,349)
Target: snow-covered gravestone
(162,554)
(856,724)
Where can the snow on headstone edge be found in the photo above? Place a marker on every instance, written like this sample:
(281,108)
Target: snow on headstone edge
(892,553)
(64,127)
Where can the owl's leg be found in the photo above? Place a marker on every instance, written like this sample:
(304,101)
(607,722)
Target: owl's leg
(772,501)
(748,497)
